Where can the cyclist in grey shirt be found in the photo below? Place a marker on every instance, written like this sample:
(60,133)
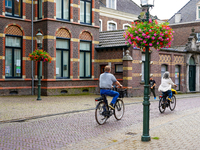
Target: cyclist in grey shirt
(106,81)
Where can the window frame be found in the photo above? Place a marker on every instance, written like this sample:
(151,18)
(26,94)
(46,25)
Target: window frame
(166,69)
(116,68)
(13,48)
(126,24)
(100,25)
(60,49)
(108,3)
(198,11)
(62,12)
(39,9)
(179,78)
(83,51)
(111,22)
(85,1)
(13,9)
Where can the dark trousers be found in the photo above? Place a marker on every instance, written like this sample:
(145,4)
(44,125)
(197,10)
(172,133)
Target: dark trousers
(153,91)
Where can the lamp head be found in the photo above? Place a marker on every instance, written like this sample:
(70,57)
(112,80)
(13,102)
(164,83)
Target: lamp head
(39,37)
(147,3)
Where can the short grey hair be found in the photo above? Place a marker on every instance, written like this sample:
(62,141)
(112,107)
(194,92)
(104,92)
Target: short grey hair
(166,75)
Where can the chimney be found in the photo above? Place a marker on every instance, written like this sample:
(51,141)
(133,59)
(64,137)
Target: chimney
(177,17)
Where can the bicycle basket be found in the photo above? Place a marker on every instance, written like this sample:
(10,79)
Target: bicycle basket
(122,93)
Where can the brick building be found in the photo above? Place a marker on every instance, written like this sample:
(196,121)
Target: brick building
(71,31)
(80,52)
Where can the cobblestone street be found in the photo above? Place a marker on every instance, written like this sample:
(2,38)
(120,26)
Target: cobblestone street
(176,129)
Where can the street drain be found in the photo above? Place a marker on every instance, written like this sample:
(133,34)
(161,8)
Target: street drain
(131,133)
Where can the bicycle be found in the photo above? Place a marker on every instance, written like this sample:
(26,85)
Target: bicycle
(164,102)
(103,112)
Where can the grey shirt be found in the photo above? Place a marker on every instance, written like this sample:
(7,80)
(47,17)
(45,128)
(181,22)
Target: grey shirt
(106,80)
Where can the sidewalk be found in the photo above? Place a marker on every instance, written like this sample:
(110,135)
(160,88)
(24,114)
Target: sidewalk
(13,108)
(177,130)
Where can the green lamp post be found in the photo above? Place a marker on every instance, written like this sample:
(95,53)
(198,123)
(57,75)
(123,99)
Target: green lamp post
(39,38)
(146,4)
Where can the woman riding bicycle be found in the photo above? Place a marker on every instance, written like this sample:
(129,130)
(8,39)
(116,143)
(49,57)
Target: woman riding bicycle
(166,85)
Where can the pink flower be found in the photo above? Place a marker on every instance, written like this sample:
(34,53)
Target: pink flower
(153,38)
(136,32)
(148,36)
(150,44)
(139,30)
(143,34)
(150,21)
(157,43)
(144,42)
(155,34)
(150,30)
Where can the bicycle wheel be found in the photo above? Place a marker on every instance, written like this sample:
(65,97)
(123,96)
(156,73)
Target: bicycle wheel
(99,116)
(172,104)
(161,106)
(119,109)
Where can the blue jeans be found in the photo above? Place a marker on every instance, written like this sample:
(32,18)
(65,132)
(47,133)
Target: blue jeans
(111,93)
(169,93)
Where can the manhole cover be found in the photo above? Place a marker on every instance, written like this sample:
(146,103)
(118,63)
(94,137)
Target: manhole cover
(130,133)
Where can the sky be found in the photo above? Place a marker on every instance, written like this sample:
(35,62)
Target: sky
(165,9)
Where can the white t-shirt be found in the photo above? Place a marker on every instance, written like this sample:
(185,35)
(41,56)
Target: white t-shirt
(166,84)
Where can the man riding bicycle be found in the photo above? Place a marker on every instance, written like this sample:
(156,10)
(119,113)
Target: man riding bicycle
(106,80)
(166,85)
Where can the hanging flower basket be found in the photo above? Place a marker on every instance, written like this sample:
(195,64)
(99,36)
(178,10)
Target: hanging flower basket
(40,55)
(149,34)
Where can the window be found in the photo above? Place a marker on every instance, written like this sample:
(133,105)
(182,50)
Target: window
(111,4)
(62,9)
(39,9)
(85,11)
(119,68)
(100,25)
(13,57)
(177,77)
(198,12)
(62,58)
(13,8)
(163,69)
(198,37)
(111,25)
(143,60)
(126,26)
(85,59)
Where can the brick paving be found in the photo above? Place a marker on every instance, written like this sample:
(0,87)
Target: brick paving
(78,130)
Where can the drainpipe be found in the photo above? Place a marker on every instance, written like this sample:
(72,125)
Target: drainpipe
(32,49)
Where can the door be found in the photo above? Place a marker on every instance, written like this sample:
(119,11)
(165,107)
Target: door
(192,72)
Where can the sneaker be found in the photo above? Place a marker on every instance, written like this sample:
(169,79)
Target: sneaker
(155,98)
(169,99)
(111,106)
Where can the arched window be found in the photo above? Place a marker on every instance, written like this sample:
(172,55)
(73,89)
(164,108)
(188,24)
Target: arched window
(62,53)
(13,52)
(85,63)
(192,61)
(111,25)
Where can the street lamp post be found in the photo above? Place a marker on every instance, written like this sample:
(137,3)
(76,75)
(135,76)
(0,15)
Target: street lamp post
(39,38)
(146,137)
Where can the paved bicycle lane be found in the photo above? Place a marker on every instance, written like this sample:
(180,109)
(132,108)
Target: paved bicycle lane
(80,131)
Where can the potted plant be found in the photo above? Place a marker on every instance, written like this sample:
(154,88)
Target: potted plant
(40,55)
(152,34)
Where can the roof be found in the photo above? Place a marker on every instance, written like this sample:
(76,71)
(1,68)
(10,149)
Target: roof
(110,39)
(188,12)
(127,6)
